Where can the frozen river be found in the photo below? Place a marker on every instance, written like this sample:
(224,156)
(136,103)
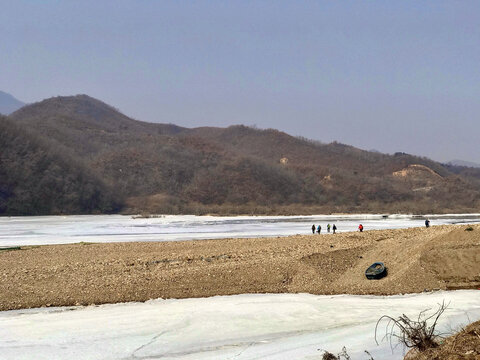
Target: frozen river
(40,230)
(241,327)
(250,326)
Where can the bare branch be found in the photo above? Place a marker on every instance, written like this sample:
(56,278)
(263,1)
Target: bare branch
(417,333)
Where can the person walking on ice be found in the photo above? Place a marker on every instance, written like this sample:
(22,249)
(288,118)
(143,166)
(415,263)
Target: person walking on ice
(334,228)
(427,223)
(319,229)
(360,227)
(328,227)
(313,229)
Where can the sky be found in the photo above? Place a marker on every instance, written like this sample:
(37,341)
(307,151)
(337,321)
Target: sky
(379,75)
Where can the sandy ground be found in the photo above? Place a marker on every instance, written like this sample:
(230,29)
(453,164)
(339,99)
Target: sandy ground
(441,257)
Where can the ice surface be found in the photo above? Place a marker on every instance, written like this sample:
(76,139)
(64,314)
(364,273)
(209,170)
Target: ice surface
(267,326)
(41,230)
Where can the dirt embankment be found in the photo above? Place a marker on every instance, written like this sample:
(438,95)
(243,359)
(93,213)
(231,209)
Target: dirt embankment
(464,345)
(441,257)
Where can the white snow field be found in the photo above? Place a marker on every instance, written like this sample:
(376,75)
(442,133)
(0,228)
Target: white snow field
(256,326)
(43,230)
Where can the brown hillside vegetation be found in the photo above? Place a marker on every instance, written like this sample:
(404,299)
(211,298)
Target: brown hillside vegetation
(470,174)
(37,177)
(417,259)
(240,169)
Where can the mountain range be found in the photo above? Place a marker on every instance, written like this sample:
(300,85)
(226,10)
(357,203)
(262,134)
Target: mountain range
(463,163)
(8,103)
(76,154)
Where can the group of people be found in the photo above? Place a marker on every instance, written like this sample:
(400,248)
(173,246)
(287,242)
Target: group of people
(318,228)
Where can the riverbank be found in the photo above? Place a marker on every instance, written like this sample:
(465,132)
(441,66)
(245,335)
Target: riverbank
(463,345)
(418,259)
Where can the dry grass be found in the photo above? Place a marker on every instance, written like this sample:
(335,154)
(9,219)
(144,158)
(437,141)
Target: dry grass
(465,345)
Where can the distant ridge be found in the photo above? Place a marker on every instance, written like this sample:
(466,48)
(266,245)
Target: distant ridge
(463,163)
(8,103)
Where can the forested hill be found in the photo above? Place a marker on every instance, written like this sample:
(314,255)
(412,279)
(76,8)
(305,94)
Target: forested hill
(164,168)
(39,177)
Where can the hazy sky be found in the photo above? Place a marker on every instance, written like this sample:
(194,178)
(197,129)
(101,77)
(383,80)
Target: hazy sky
(384,75)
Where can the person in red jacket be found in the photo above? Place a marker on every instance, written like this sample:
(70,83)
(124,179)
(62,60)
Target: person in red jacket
(360,227)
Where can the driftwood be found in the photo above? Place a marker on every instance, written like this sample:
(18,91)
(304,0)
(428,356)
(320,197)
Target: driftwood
(417,333)
(342,355)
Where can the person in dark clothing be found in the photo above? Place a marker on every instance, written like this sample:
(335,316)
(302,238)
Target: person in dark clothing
(319,229)
(313,229)
(334,228)
(427,223)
